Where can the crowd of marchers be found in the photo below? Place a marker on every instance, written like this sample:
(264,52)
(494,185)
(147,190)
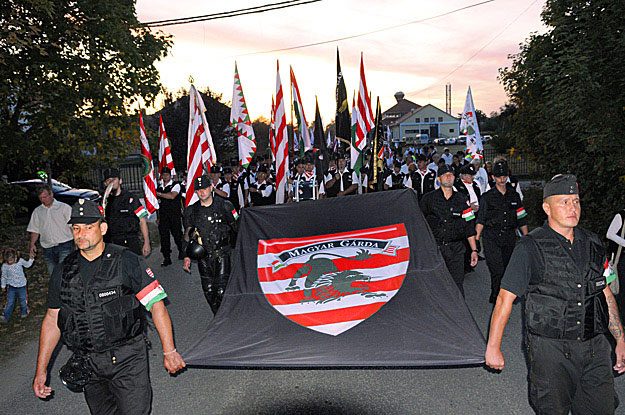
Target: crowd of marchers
(101,289)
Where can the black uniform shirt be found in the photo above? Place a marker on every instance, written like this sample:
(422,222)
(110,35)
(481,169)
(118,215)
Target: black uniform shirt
(501,213)
(122,215)
(526,265)
(133,266)
(450,219)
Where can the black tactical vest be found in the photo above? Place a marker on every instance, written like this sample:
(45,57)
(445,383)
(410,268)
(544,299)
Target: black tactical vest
(397,180)
(568,302)
(169,206)
(345,177)
(105,313)
(212,223)
(428,182)
(259,200)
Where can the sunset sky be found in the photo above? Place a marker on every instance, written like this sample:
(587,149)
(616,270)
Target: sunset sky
(464,48)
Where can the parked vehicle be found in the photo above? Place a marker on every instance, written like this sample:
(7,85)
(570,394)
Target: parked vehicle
(440,140)
(462,139)
(486,138)
(62,193)
(451,140)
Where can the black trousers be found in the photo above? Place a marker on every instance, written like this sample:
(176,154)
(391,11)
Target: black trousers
(214,273)
(169,223)
(453,254)
(120,383)
(569,375)
(497,255)
(620,297)
(131,242)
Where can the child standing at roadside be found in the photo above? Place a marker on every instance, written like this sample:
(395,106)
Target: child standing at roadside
(14,281)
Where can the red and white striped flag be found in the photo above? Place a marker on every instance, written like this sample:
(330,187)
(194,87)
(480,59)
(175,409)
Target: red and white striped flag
(365,113)
(282,141)
(200,149)
(272,130)
(164,153)
(149,179)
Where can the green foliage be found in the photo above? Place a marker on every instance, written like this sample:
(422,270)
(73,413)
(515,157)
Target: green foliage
(568,85)
(71,71)
(11,197)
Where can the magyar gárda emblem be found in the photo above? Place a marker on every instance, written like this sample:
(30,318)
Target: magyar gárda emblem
(331,283)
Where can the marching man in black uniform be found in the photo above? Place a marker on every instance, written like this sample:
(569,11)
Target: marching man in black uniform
(210,231)
(562,271)
(125,216)
(465,185)
(96,304)
(451,219)
(501,213)
(169,216)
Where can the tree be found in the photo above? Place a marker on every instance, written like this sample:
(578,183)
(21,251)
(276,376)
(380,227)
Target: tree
(175,115)
(568,85)
(70,73)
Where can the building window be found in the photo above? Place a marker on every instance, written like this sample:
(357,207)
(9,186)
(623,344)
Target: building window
(411,131)
(451,130)
(426,119)
(440,119)
(417,120)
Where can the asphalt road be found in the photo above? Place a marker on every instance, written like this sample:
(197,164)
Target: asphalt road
(472,390)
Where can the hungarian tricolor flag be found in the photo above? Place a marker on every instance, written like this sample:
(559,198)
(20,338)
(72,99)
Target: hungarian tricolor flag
(240,121)
(164,153)
(149,178)
(201,153)
(360,290)
(470,128)
(302,126)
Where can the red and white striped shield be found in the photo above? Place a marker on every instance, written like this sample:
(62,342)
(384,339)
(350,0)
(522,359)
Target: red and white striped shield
(331,283)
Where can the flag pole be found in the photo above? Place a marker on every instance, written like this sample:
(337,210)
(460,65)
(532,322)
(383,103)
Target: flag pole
(374,164)
(292,148)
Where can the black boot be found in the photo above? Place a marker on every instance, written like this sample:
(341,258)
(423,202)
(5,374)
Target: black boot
(166,261)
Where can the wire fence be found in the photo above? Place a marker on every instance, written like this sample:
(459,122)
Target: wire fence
(519,165)
(131,174)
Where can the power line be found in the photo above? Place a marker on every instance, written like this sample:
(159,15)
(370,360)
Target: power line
(476,53)
(370,32)
(233,13)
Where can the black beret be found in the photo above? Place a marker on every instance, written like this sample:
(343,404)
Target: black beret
(561,184)
(215,169)
(468,169)
(422,157)
(500,169)
(110,172)
(299,161)
(262,169)
(397,164)
(166,170)
(85,211)
(202,182)
(227,170)
(444,168)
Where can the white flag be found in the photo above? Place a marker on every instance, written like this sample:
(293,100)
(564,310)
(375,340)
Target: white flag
(470,128)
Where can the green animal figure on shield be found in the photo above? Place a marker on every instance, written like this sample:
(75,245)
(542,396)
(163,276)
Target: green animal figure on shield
(325,282)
